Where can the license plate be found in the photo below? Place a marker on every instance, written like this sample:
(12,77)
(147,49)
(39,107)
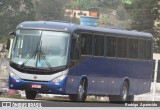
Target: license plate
(36,86)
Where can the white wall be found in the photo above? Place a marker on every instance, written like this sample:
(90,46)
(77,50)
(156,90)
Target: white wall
(156,56)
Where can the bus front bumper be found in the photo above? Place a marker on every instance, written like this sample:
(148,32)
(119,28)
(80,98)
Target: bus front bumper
(38,86)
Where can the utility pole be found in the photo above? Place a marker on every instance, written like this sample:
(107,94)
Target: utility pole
(155,79)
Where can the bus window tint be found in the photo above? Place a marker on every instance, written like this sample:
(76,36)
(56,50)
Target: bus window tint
(142,49)
(149,46)
(86,44)
(122,47)
(111,46)
(133,48)
(98,45)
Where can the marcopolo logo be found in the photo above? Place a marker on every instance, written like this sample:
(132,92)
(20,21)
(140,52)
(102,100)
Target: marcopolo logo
(35,77)
(21,104)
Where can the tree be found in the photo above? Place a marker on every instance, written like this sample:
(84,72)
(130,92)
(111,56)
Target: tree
(12,12)
(121,13)
(82,4)
(141,15)
(157,21)
(50,10)
(127,1)
(157,27)
(113,4)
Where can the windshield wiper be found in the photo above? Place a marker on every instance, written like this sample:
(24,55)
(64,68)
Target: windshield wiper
(41,54)
(32,55)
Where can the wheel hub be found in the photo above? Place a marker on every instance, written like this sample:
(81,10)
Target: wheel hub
(124,93)
(80,91)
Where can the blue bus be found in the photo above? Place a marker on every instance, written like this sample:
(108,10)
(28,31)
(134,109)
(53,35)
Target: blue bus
(69,59)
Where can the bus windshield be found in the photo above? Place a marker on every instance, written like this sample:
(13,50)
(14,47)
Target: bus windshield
(53,45)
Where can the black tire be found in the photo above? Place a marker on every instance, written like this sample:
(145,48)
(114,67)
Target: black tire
(30,94)
(124,94)
(131,98)
(82,92)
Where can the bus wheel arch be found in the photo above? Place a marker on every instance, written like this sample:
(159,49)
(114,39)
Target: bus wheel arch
(126,79)
(124,92)
(130,96)
(81,94)
(85,79)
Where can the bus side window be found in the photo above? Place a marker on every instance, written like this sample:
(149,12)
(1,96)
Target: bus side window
(133,48)
(121,47)
(98,45)
(149,46)
(111,46)
(86,44)
(142,49)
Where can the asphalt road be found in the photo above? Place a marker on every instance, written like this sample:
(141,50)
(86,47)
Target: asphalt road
(57,103)
(48,104)
(64,103)
(67,103)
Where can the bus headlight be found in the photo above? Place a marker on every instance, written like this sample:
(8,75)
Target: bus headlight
(13,75)
(59,78)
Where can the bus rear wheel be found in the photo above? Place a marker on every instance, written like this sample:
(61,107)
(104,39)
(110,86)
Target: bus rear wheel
(124,94)
(82,92)
(30,94)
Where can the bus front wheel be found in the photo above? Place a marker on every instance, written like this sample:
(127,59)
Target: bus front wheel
(82,92)
(30,94)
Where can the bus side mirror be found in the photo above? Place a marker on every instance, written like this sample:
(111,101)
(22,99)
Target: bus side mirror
(8,40)
(12,33)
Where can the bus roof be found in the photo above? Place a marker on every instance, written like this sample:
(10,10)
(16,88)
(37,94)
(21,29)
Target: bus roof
(70,27)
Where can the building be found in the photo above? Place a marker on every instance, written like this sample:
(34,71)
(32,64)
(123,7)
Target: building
(78,13)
